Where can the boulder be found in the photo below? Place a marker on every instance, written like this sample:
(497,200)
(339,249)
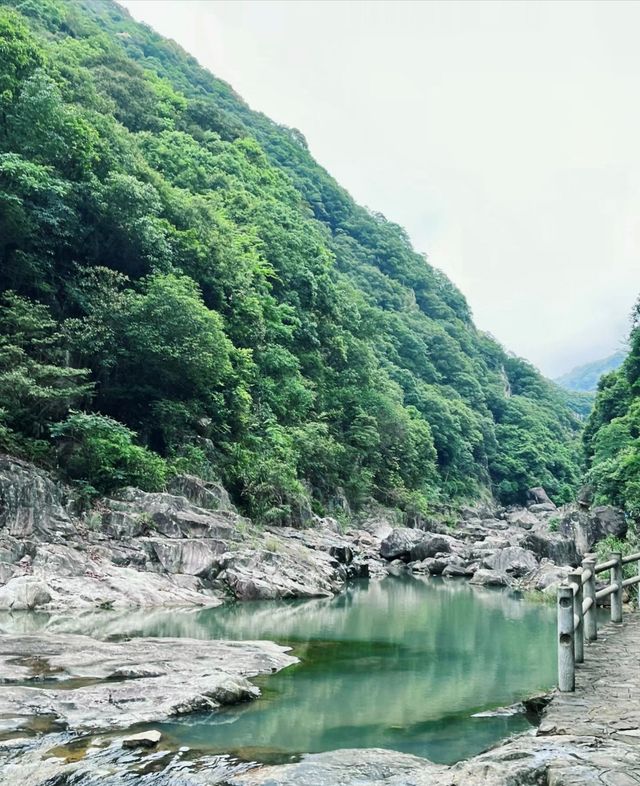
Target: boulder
(207,494)
(430,545)
(587,528)
(24,593)
(553,546)
(489,578)
(398,544)
(145,739)
(514,560)
(31,503)
(537,495)
(523,518)
(542,507)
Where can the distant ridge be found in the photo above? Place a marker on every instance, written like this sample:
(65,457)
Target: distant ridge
(584,379)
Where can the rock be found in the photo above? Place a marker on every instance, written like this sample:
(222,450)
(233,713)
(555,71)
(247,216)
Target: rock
(542,507)
(142,680)
(588,528)
(553,546)
(398,544)
(538,495)
(145,739)
(514,560)
(584,497)
(210,495)
(489,578)
(31,503)
(609,521)
(522,518)
(548,576)
(429,545)
(24,593)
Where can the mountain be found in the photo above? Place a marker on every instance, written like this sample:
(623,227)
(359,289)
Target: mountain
(611,435)
(184,288)
(585,378)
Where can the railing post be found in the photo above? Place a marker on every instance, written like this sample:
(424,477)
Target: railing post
(590,618)
(566,663)
(575,578)
(616,578)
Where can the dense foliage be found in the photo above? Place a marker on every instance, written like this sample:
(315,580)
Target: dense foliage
(612,433)
(187,289)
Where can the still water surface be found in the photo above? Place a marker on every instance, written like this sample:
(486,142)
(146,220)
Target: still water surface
(400,663)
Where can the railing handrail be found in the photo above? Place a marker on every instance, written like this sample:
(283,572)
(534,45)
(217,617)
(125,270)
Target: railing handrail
(577,600)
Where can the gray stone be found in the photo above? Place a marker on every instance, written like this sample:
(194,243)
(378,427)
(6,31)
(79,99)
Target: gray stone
(514,560)
(145,739)
(398,544)
(429,545)
(538,495)
(24,593)
(489,578)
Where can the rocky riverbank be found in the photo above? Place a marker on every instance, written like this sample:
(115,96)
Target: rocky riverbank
(190,546)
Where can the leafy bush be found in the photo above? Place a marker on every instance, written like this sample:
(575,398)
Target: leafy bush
(100,451)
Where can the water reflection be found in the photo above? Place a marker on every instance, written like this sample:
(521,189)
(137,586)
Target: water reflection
(401,663)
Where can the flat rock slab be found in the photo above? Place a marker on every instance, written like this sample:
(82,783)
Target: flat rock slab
(84,684)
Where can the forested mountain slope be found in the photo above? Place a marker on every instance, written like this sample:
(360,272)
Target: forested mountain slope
(612,433)
(185,288)
(584,379)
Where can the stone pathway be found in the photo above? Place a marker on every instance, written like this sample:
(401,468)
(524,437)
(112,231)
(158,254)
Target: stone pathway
(602,718)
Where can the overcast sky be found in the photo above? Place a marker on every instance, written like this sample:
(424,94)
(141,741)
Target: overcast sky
(505,137)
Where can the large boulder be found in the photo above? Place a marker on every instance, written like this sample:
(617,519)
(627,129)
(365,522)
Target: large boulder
(207,494)
(398,544)
(553,546)
(430,545)
(537,496)
(587,528)
(489,578)
(24,593)
(513,560)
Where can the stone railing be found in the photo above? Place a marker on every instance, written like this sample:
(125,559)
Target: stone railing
(577,599)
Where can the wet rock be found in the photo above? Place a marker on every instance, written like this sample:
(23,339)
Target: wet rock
(145,739)
(143,680)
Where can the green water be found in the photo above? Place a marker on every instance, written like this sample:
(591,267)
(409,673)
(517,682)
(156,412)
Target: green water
(401,663)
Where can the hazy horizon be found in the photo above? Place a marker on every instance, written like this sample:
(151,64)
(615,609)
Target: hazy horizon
(501,136)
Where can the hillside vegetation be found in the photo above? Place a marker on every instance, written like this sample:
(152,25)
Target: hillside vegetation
(612,433)
(185,288)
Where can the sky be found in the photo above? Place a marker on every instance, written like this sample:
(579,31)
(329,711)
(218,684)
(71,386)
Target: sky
(505,137)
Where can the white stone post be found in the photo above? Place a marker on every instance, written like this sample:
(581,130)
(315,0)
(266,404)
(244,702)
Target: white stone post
(566,663)
(575,578)
(616,578)
(589,587)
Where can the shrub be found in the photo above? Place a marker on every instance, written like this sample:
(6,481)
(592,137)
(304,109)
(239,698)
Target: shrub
(100,451)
